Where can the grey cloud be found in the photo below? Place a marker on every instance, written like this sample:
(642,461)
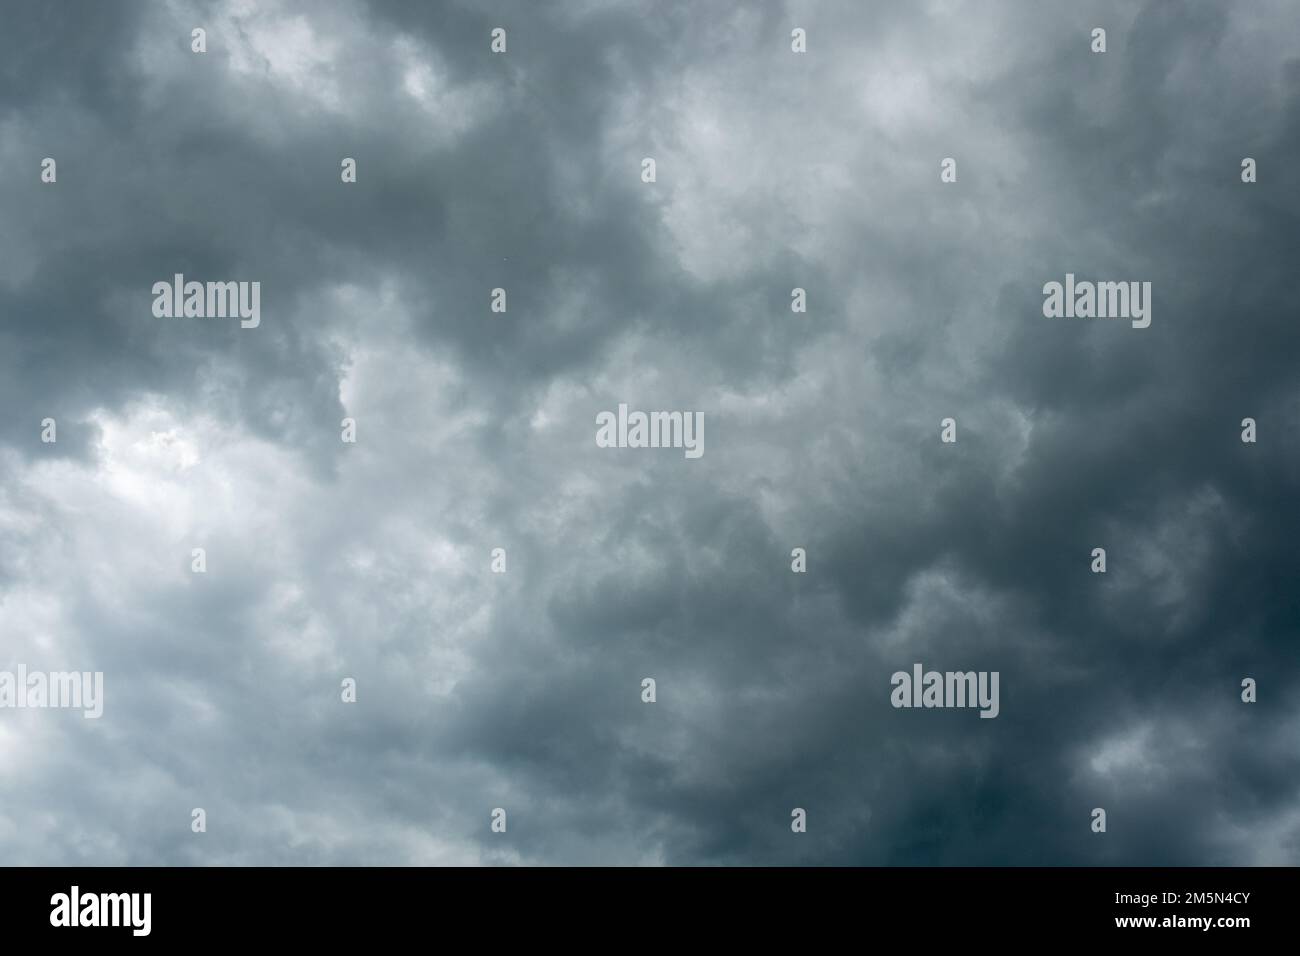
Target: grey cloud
(475,431)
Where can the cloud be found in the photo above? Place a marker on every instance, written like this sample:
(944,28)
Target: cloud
(521,690)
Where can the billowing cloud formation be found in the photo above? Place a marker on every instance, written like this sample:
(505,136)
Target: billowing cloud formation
(475,430)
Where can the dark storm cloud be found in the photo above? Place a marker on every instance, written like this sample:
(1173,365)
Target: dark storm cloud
(475,431)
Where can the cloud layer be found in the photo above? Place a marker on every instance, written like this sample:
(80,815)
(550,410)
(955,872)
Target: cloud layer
(475,430)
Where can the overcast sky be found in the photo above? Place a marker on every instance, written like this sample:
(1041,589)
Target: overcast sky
(475,430)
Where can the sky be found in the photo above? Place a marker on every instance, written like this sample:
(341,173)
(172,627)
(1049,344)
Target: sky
(371,560)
